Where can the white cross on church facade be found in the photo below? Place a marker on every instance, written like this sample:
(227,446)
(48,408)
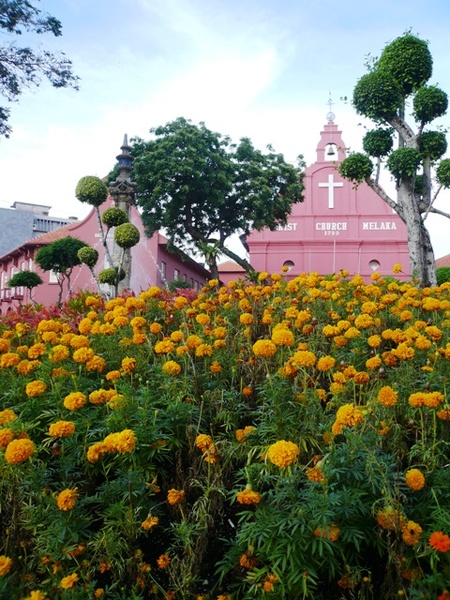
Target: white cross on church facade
(331,184)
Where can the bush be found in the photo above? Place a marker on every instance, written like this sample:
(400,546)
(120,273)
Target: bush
(284,437)
(442,275)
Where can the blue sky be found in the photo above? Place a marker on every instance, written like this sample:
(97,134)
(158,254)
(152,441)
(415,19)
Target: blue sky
(257,68)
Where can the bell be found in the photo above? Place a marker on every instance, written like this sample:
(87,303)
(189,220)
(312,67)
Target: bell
(330,151)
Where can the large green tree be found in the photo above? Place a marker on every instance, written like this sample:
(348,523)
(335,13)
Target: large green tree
(25,67)
(396,80)
(201,188)
(61,257)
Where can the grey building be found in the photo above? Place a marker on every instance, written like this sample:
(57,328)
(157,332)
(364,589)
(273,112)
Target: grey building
(24,221)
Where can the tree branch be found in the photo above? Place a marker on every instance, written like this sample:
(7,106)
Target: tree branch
(389,201)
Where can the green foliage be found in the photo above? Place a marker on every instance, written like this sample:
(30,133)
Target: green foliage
(111,276)
(409,61)
(60,256)
(198,185)
(178,284)
(91,190)
(114,216)
(432,144)
(404,162)
(429,103)
(126,235)
(22,68)
(442,275)
(378,142)
(28,279)
(357,167)
(443,173)
(88,256)
(377,95)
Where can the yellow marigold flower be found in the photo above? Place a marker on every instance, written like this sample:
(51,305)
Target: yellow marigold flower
(7,415)
(74,401)
(203,441)
(374,341)
(36,595)
(316,474)
(155,328)
(303,358)
(106,329)
(220,333)
(9,359)
(6,436)
(282,337)
(387,396)
(203,350)
(125,441)
(411,532)
(364,321)
(67,499)
(163,561)
(444,414)
(415,479)
(92,301)
(203,319)
(175,496)
(246,319)
(96,451)
(99,592)
(325,363)
(241,434)
(69,581)
(128,364)
(397,268)
(59,353)
(439,541)
(403,351)
(79,341)
(390,518)
(172,368)
(211,455)
(164,347)
(149,522)
(283,453)
(417,399)
(248,496)
(264,348)
(96,363)
(433,399)
(25,367)
(35,388)
(36,350)
(330,532)
(61,429)
(18,451)
(347,415)
(5,565)
(101,396)
(112,375)
(4,345)
(83,355)
(373,363)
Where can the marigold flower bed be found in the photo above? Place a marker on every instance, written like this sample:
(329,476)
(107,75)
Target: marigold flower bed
(282,439)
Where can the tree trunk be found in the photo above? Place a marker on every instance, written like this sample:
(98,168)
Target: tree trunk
(240,261)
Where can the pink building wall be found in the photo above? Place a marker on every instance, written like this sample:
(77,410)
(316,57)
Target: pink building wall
(336,227)
(151,263)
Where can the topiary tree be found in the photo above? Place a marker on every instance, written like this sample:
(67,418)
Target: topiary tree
(61,257)
(442,275)
(27,279)
(398,76)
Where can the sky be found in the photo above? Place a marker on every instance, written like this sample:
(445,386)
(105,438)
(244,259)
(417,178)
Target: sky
(263,69)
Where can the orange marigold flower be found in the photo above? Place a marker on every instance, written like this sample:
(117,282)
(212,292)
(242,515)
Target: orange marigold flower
(416,400)
(36,595)
(36,350)
(112,375)
(282,336)
(18,451)
(241,434)
(128,364)
(268,583)
(347,415)
(203,441)
(175,496)
(325,363)
(215,367)
(172,368)
(443,414)
(415,479)
(7,415)
(390,518)
(155,328)
(149,522)
(387,396)
(203,350)
(411,532)
(330,532)
(303,358)
(433,399)
(6,436)
(246,319)
(265,348)
(125,441)
(59,353)
(9,359)
(316,474)
(163,561)
(96,363)
(69,581)
(83,355)
(248,562)
(5,565)
(96,451)
(74,401)
(67,499)
(61,429)
(439,541)
(248,496)
(35,388)
(283,453)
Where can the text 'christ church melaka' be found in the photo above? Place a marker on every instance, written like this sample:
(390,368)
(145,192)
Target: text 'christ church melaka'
(337,226)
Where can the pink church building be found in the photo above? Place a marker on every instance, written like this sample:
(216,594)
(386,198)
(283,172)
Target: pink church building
(336,227)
